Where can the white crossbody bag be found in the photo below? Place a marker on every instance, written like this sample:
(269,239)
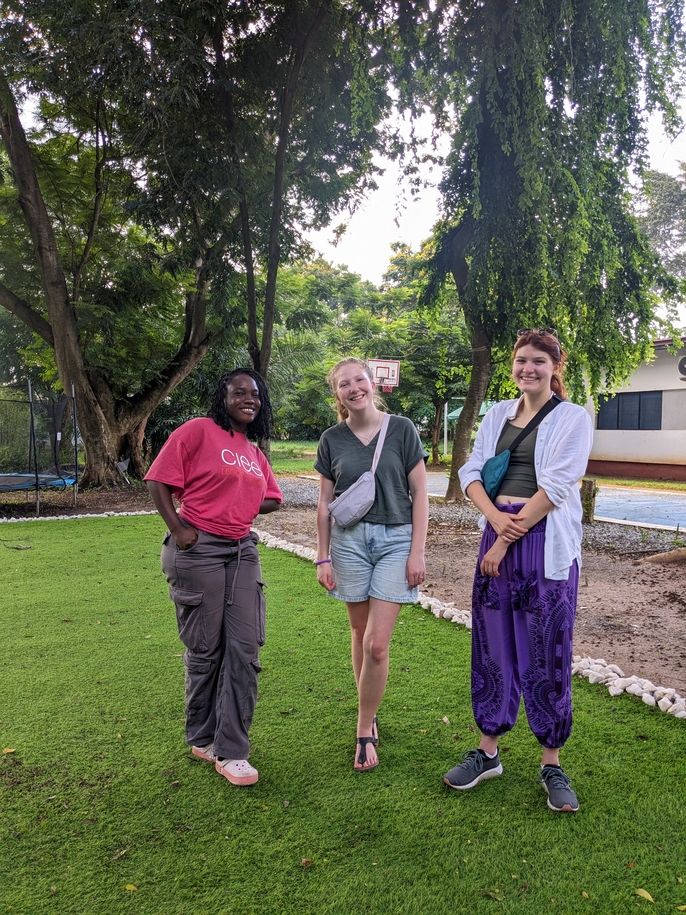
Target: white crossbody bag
(353,504)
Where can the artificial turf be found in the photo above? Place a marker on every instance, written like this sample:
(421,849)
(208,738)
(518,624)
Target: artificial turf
(104,810)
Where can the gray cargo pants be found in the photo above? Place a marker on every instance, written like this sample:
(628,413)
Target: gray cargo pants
(217,589)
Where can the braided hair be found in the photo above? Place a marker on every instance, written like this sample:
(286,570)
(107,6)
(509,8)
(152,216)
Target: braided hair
(261,426)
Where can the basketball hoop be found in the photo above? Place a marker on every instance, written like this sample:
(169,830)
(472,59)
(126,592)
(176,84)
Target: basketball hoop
(386,373)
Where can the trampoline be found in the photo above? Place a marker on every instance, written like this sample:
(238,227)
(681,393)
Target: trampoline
(14,482)
(37,437)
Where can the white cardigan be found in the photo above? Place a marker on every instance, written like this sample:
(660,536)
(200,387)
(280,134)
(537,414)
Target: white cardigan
(563,445)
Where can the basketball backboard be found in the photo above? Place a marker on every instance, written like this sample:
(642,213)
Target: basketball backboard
(386,373)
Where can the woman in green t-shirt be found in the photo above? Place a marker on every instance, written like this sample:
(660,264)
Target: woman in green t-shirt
(376,564)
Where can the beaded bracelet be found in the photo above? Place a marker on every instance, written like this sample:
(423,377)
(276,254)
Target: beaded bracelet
(320,562)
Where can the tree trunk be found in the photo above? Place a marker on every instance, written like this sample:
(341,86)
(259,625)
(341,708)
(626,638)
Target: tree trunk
(478,385)
(299,52)
(226,98)
(589,490)
(456,248)
(115,430)
(99,441)
(132,447)
(439,406)
(109,428)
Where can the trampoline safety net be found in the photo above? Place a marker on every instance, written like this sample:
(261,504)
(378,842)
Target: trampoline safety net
(38,442)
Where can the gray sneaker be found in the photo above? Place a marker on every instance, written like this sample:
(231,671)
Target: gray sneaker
(475,767)
(561,797)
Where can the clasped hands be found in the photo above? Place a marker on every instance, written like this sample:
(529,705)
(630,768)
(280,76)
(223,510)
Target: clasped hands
(509,529)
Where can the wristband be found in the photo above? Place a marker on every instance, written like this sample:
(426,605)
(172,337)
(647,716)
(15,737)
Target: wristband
(321,562)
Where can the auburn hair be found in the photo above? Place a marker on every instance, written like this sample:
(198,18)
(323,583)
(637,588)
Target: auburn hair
(548,343)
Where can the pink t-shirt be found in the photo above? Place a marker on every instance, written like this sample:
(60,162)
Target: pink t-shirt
(220,478)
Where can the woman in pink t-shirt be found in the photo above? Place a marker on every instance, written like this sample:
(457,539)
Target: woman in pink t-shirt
(209,556)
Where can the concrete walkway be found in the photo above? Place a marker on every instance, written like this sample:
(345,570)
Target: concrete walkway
(650,507)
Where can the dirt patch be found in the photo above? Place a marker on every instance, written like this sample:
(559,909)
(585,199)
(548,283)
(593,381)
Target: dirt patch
(88,502)
(630,612)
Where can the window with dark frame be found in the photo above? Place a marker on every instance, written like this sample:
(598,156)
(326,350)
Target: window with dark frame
(633,410)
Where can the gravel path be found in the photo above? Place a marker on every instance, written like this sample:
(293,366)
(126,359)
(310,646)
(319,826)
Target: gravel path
(300,492)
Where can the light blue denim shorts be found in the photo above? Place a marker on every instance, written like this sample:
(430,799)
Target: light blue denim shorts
(370,560)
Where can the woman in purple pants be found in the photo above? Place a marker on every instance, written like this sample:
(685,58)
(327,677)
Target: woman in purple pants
(527,574)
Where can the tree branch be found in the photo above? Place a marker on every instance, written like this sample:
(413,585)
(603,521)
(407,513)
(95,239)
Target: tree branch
(31,200)
(68,355)
(226,99)
(98,202)
(298,54)
(139,407)
(22,310)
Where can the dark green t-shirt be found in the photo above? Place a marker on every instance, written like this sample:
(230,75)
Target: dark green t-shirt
(342,458)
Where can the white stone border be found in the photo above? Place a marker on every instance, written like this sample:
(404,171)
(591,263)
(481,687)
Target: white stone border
(599,671)
(595,670)
(78,517)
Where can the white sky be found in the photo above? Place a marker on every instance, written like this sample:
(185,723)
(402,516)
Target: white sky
(390,214)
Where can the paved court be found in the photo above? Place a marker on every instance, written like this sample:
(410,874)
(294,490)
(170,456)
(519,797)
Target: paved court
(615,503)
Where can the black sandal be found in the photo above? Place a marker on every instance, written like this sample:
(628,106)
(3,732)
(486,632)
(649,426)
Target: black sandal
(361,756)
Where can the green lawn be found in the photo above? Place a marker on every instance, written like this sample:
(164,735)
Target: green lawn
(104,811)
(639,484)
(293,457)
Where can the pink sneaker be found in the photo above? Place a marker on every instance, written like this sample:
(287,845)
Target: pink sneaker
(237,771)
(206,753)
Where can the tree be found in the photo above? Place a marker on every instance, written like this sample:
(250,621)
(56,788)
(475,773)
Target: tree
(661,207)
(66,293)
(551,100)
(280,109)
(435,350)
(234,126)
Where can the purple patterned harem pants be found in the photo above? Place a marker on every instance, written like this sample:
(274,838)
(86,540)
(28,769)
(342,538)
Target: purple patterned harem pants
(522,627)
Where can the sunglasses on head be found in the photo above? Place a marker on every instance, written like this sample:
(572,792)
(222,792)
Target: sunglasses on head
(537,330)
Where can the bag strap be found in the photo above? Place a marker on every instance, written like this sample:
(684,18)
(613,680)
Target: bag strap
(531,425)
(380,441)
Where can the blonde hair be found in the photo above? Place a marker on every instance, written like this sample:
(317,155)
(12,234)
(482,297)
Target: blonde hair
(331,379)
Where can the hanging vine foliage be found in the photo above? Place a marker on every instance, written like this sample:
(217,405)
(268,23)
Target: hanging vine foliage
(551,102)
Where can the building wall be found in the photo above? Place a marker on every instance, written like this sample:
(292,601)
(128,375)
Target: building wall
(662,374)
(674,411)
(638,471)
(663,448)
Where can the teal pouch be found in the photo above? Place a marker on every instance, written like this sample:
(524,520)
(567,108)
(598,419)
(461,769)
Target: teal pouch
(493,472)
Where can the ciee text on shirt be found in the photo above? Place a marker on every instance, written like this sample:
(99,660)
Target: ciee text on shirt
(232,458)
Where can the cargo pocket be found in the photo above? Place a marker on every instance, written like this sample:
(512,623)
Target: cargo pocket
(189,617)
(260,613)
